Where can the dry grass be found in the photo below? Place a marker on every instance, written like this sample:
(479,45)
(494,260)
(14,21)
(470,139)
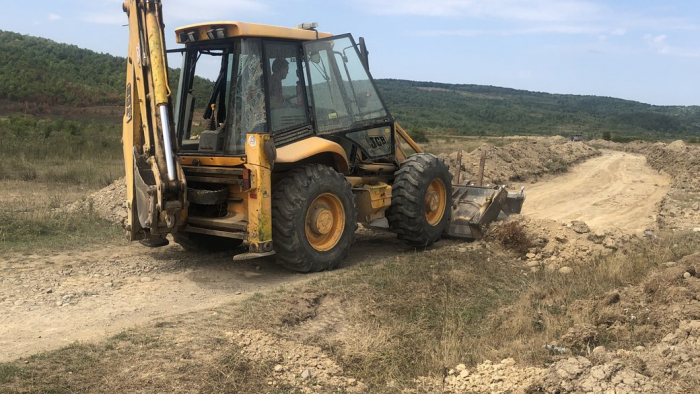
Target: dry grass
(553,304)
(31,218)
(421,313)
(512,236)
(403,317)
(175,357)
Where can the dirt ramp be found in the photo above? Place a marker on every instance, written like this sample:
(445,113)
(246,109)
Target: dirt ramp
(616,191)
(680,208)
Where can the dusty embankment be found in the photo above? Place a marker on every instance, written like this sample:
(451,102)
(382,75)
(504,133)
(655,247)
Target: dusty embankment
(680,208)
(614,192)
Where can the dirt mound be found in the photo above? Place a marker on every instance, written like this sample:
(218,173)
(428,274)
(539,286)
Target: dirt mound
(556,246)
(521,160)
(659,320)
(109,202)
(653,308)
(488,377)
(306,368)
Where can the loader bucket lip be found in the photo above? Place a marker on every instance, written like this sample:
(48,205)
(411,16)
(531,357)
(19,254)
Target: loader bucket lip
(477,206)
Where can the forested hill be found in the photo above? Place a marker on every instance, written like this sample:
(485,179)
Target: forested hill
(40,71)
(489,110)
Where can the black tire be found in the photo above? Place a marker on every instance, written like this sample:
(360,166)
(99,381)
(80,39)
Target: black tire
(205,243)
(292,199)
(408,213)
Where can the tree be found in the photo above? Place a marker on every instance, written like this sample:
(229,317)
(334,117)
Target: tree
(607,136)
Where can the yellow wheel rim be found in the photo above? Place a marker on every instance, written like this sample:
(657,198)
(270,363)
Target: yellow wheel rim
(435,202)
(325,221)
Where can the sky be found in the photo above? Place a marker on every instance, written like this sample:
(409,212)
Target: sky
(640,50)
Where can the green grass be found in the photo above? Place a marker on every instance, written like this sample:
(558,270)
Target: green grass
(60,151)
(46,230)
(46,164)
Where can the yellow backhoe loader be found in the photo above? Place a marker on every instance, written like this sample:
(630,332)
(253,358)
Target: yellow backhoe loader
(291,147)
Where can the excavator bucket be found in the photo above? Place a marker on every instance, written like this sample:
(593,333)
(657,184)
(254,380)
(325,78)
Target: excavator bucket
(474,207)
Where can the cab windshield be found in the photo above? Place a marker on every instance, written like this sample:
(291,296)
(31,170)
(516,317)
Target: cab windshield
(213,116)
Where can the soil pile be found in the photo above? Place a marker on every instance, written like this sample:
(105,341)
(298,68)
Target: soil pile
(109,202)
(521,160)
(305,368)
(555,246)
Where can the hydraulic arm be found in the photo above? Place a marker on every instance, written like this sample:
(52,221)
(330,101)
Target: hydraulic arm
(156,188)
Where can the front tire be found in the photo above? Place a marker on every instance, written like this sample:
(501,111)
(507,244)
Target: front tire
(421,200)
(314,219)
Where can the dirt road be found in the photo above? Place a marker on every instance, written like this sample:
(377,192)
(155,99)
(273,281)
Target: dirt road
(614,191)
(48,301)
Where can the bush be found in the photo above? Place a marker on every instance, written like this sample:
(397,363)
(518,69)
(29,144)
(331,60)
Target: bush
(419,135)
(512,236)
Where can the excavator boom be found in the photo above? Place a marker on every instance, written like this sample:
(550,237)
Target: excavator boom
(156,187)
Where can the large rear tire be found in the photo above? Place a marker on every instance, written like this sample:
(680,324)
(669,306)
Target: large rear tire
(421,200)
(205,243)
(314,219)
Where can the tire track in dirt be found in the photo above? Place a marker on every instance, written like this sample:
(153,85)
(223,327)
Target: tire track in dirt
(52,300)
(616,190)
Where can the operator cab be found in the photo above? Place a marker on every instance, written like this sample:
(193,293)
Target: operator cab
(291,83)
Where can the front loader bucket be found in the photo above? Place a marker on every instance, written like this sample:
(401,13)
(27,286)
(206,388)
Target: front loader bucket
(474,207)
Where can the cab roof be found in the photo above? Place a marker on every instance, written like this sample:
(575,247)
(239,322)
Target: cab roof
(227,29)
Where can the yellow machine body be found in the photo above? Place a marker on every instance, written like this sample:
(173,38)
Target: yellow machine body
(288,169)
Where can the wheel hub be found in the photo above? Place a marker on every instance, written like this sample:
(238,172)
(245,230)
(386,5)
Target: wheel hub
(325,220)
(435,202)
(322,221)
(432,201)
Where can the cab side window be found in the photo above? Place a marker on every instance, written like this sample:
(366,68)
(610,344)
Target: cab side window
(285,89)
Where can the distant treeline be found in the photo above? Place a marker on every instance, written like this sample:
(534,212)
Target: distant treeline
(488,110)
(40,71)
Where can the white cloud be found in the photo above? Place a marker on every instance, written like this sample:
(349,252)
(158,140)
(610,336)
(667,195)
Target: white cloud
(545,29)
(54,17)
(214,10)
(111,18)
(619,32)
(660,45)
(184,12)
(521,10)
(591,17)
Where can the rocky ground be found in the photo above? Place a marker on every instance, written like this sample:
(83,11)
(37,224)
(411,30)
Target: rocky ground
(109,202)
(556,246)
(665,307)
